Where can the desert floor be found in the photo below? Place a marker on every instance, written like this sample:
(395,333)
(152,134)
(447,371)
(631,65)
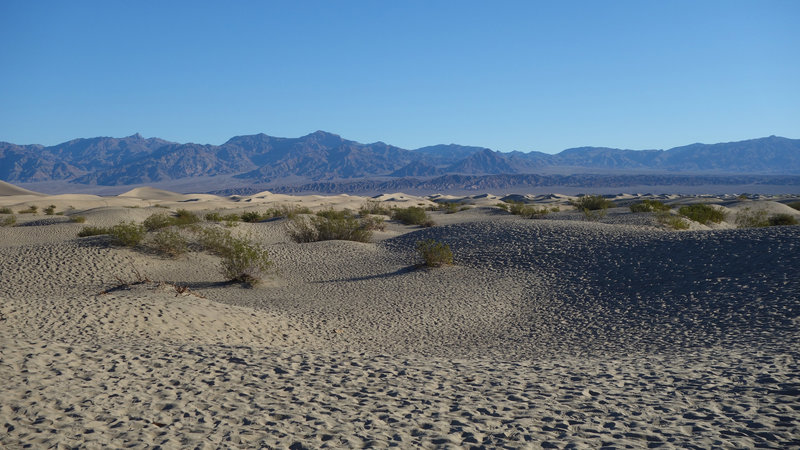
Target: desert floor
(555,332)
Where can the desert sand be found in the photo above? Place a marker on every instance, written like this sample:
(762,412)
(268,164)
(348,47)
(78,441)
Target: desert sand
(558,332)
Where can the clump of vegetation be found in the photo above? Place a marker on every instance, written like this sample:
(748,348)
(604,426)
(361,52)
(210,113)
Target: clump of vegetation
(31,210)
(8,221)
(672,221)
(374,207)
(782,219)
(289,211)
(450,207)
(158,221)
(78,219)
(330,225)
(373,223)
(413,215)
(127,234)
(702,213)
(434,253)
(92,231)
(795,205)
(244,261)
(50,210)
(213,217)
(6,210)
(170,243)
(528,211)
(253,217)
(593,206)
(748,218)
(503,206)
(184,217)
(648,205)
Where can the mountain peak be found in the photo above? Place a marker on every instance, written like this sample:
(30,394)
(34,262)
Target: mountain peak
(136,136)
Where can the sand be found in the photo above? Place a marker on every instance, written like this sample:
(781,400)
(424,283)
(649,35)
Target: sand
(547,333)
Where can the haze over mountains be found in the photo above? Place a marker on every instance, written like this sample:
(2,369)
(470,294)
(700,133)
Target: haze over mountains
(327,160)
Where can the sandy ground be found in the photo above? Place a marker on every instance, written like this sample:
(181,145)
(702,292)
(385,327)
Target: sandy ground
(554,333)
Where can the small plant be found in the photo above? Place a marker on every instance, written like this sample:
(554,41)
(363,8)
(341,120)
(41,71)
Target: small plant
(251,217)
(244,261)
(781,220)
(435,254)
(529,211)
(6,210)
(50,210)
(214,217)
(795,205)
(374,207)
(672,221)
(648,205)
(158,221)
(330,225)
(8,221)
(78,219)
(593,206)
(31,210)
(92,231)
(702,213)
(127,234)
(748,218)
(184,217)
(214,240)
(413,215)
(170,243)
(373,223)
(503,206)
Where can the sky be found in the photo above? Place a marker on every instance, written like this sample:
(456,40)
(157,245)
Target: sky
(508,75)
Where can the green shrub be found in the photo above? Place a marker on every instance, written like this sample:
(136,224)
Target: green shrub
(251,216)
(92,231)
(503,206)
(593,206)
(529,211)
(214,217)
(8,221)
(672,221)
(795,205)
(336,226)
(214,240)
(184,217)
(31,210)
(648,205)
(435,254)
(374,207)
(170,243)
(782,219)
(702,213)
(333,214)
(748,218)
(127,234)
(244,261)
(413,215)
(6,211)
(158,221)
(78,219)
(373,223)
(50,210)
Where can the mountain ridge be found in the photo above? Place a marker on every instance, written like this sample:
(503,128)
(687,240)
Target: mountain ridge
(326,157)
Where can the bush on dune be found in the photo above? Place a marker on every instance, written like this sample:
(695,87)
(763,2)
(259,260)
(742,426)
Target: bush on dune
(92,231)
(782,219)
(330,225)
(413,215)
(648,205)
(169,243)
(702,213)
(592,206)
(127,234)
(374,207)
(434,253)
(9,221)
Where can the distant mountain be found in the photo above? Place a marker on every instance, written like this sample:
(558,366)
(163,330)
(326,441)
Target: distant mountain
(322,157)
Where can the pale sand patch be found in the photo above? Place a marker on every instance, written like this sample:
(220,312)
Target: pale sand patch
(546,333)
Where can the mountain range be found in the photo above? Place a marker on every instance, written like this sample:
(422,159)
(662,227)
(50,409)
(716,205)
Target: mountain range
(322,157)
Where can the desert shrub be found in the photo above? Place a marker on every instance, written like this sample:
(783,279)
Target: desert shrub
(795,205)
(244,261)
(435,254)
(251,216)
(127,234)
(333,214)
(503,206)
(781,220)
(336,226)
(702,213)
(6,210)
(158,221)
(184,217)
(78,219)
(213,217)
(31,210)
(413,215)
(373,223)
(748,218)
(648,205)
(290,211)
(529,211)
(92,231)
(374,207)
(169,242)
(448,207)
(50,210)
(672,221)
(214,240)
(593,206)
(8,221)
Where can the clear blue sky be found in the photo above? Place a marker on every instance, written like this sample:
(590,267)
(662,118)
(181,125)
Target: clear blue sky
(509,75)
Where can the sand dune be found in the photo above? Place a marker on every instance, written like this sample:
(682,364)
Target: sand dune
(558,332)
